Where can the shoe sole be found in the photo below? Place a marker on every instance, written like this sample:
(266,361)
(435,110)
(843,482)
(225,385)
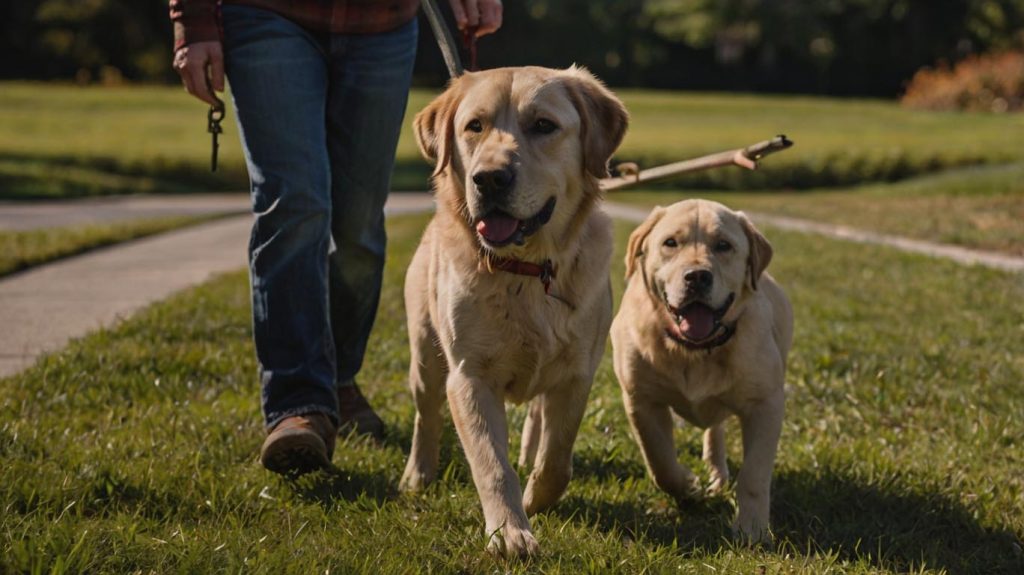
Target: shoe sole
(295,452)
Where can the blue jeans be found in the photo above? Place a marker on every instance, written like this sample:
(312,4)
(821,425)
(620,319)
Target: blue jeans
(319,117)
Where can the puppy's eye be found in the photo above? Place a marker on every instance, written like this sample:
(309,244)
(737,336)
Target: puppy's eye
(543,126)
(722,246)
(670,243)
(474,126)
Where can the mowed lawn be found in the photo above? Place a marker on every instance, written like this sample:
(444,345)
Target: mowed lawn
(134,450)
(155,138)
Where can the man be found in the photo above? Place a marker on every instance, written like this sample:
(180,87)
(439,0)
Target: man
(320,89)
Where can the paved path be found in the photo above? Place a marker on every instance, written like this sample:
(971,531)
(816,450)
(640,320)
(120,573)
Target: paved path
(42,308)
(60,213)
(958,254)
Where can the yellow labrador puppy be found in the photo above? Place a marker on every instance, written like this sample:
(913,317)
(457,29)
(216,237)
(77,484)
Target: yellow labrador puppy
(703,331)
(507,296)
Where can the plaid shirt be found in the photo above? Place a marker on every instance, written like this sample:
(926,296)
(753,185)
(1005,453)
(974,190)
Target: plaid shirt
(199,20)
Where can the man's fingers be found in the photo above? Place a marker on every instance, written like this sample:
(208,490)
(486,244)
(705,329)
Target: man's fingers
(490,18)
(460,13)
(217,70)
(200,87)
(201,67)
(472,13)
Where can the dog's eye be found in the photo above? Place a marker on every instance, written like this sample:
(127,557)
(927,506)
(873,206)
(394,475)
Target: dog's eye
(722,246)
(474,126)
(543,126)
(670,243)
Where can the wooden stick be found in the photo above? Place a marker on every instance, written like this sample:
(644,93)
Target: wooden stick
(743,157)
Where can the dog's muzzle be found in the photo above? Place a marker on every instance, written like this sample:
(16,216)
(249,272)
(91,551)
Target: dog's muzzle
(498,228)
(698,325)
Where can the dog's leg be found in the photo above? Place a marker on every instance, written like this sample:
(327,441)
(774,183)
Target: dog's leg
(427,372)
(762,425)
(531,434)
(561,414)
(479,416)
(652,424)
(714,457)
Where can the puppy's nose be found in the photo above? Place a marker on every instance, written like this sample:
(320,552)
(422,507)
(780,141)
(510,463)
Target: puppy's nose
(698,280)
(491,182)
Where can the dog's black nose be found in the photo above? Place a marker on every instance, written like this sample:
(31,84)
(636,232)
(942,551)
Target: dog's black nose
(494,181)
(698,280)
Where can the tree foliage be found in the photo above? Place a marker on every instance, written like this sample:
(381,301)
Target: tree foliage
(854,47)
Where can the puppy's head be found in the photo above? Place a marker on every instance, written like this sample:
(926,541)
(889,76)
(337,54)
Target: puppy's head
(520,149)
(699,259)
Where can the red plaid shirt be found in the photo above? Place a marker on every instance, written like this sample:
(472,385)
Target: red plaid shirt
(199,20)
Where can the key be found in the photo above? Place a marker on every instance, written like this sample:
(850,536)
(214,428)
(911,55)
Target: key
(213,119)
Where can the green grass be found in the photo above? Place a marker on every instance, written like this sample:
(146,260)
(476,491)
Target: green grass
(979,207)
(134,450)
(158,134)
(20,250)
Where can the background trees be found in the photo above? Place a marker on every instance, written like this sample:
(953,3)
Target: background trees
(840,47)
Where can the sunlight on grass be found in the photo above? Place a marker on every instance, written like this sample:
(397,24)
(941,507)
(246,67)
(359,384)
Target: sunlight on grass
(134,450)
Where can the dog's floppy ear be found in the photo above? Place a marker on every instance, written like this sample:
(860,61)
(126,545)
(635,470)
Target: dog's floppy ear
(603,119)
(760,250)
(435,128)
(635,247)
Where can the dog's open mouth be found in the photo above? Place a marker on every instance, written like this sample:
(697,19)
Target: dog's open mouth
(697,322)
(500,229)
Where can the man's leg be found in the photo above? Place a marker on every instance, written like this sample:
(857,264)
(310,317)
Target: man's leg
(279,77)
(369,87)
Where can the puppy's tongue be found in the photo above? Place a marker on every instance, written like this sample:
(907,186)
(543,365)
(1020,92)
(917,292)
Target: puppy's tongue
(497,227)
(696,322)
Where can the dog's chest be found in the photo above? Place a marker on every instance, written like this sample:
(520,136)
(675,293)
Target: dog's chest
(512,337)
(699,391)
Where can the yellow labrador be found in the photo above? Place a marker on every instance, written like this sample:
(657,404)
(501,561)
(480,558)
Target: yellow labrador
(507,296)
(704,331)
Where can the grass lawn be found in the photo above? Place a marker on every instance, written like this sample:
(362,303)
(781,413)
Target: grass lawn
(157,134)
(20,250)
(134,450)
(978,207)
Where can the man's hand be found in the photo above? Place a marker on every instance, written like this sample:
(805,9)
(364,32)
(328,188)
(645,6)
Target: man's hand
(484,15)
(201,67)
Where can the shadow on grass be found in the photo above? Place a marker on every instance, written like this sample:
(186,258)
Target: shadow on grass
(888,526)
(328,486)
(891,525)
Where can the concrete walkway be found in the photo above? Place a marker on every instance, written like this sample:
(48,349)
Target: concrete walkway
(43,308)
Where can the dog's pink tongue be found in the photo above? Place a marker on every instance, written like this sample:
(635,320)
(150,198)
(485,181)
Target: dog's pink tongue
(497,227)
(697,322)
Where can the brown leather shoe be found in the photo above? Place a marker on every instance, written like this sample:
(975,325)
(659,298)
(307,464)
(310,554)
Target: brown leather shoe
(355,414)
(299,444)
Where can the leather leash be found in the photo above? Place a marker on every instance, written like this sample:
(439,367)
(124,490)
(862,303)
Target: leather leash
(449,51)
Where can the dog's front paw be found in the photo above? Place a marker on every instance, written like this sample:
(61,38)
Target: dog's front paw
(513,542)
(416,477)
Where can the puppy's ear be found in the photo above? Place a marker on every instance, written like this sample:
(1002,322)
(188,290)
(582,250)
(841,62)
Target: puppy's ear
(603,119)
(435,128)
(760,251)
(635,247)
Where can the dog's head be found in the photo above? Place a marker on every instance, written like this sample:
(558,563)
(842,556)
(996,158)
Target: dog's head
(521,150)
(700,259)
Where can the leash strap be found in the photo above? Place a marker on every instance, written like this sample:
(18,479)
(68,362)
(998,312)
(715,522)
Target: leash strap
(444,38)
(469,44)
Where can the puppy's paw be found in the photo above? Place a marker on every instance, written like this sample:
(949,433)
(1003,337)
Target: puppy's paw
(510,542)
(688,491)
(718,482)
(752,533)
